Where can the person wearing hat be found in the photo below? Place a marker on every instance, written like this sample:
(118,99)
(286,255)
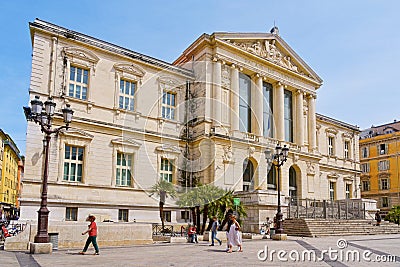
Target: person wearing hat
(92,231)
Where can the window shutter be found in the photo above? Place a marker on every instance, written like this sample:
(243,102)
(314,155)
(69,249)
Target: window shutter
(388,165)
(386,148)
(380,184)
(378,149)
(388,183)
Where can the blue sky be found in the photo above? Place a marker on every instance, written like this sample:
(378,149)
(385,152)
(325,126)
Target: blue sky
(354,46)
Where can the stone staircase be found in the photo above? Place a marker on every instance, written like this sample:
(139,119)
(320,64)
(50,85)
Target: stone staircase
(332,227)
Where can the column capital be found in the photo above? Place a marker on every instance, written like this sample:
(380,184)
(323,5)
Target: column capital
(215,59)
(233,66)
(299,92)
(279,83)
(309,96)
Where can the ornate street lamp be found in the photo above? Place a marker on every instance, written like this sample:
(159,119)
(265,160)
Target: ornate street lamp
(277,159)
(43,117)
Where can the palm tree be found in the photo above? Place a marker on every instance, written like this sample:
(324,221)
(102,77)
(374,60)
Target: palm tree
(163,189)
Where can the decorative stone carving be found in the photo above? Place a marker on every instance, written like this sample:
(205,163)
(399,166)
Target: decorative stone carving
(228,154)
(225,77)
(85,55)
(331,131)
(130,68)
(252,149)
(310,168)
(268,49)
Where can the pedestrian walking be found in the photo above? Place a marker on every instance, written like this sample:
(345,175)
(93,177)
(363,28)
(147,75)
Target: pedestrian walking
(234,235)
(92,231)
(214,229)
(378,218)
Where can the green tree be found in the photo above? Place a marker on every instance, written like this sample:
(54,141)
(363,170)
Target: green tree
(163,189)
(394,215)
(214,201)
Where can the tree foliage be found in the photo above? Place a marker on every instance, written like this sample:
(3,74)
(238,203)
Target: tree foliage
(163,189)
(214,201)
(394,215)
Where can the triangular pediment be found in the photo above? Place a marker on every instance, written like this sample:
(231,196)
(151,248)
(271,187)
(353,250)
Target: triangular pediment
(126,142)
(272,48)
(76,133)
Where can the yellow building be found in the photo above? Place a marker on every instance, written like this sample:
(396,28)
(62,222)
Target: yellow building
(9,175)
(379,158)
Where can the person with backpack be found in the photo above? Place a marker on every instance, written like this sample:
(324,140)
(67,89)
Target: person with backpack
(214,229)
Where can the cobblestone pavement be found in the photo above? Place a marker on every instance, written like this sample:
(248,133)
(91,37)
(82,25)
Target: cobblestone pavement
(161,254)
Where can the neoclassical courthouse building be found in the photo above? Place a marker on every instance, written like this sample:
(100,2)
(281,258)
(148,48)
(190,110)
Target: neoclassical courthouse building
(210,114)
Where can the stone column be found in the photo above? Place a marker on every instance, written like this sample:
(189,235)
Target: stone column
(312,138)
(300,119)
(279,109)
(235,98)
(257,105)
(217,91)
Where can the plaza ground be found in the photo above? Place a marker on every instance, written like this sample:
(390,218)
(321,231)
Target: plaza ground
(201,254)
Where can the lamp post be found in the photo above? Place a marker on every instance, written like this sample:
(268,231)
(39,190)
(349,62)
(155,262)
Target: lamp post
(277,159)
(43,117)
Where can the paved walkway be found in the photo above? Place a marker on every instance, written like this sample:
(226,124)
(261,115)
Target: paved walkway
(372,247)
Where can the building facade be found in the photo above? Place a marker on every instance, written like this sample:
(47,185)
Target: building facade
(206,118)
(379,161)
(9,183)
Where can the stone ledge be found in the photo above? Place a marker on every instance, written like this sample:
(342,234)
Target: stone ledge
(279,237)
(40,248)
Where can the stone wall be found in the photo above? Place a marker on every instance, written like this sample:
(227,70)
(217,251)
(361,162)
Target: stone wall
(70,235)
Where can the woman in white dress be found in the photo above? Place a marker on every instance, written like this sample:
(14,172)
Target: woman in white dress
(233,235)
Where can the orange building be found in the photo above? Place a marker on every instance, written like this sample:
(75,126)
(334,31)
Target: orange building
(379,162)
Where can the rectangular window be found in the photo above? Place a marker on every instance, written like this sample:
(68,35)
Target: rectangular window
(383,165)
(123,215)
(78,83)
(346,149)
(167,216)
(365,152)
(168,105)
(267,110)
(348,191)
(332,189)
(124,169)
(383,149)
(73,163)
(244,103)
(166,170)
(384,184)
(126,95)
(365,167)
(185,214)
(271,178)
(71,214)
(331,144)
(288,116)
(365,186)
(385,202)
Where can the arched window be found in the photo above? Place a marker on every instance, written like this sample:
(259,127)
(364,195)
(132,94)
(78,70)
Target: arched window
(248,173)
(292,184)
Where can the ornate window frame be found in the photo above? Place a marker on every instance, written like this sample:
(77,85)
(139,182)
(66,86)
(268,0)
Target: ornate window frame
(79,138)
(171,85)
(126,146)
(81,58)
(331,132)
(132,73)
(171,153)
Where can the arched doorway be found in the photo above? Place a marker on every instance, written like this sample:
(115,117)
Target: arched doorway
(248,175)
(292,184)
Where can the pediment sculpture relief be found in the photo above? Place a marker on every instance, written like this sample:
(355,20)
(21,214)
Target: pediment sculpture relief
(268,49)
